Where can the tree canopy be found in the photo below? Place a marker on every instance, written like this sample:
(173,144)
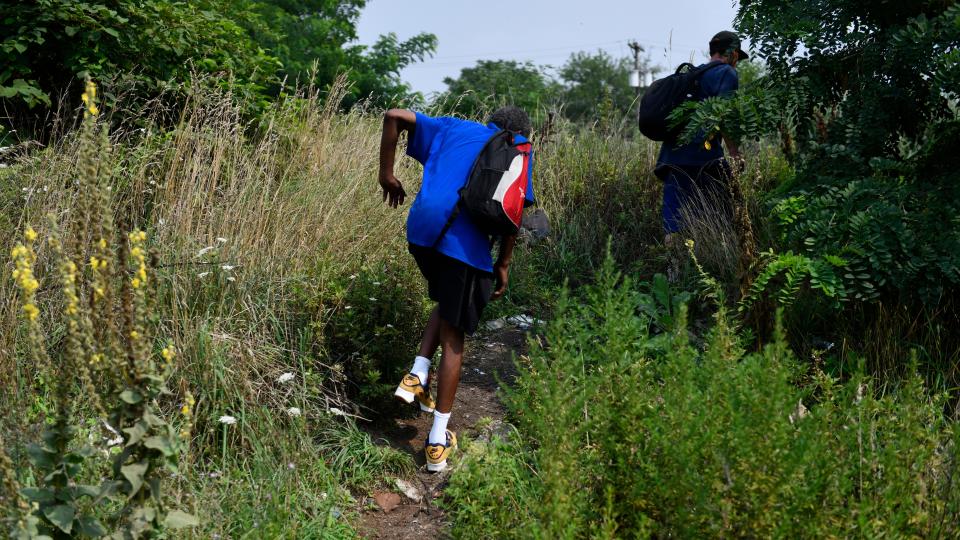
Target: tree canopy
(158,44)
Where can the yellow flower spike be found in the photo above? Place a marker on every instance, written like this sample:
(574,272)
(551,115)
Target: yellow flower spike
(185,410)
(30,234)
(102,244)
(168,353)
(134,334)
(689,243)
(135,282)
(707,145)
(31,311)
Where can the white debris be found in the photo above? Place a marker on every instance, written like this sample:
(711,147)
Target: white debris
(411,492)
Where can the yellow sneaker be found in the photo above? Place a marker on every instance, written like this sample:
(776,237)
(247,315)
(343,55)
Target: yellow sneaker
(437,453)
(411,388)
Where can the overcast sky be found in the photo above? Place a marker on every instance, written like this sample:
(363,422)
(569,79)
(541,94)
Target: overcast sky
(544,31)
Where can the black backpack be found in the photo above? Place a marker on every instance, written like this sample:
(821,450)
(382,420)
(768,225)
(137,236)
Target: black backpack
(495,192)
(665,95)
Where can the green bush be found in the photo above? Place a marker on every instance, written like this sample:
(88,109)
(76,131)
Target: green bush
(367,322)
(627,433)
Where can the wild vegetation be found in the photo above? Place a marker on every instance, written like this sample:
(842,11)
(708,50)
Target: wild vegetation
(206,299)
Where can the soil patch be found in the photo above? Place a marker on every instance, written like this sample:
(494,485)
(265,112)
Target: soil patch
(488,362)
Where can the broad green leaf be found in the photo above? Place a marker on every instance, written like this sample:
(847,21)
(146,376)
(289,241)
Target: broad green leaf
(134,474)
(91,527)
(38,494)
(135,433)
(180,520)
(61,515)
(130,396)
(161,443)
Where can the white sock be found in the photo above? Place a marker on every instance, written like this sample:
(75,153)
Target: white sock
(438,433)
(421,367)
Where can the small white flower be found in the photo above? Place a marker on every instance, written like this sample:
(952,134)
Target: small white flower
(160,222)
(228,420)
(291,466)
(204,251)
(376,283)
(221,240)
(285,378)
(389,325)
(353,276)
(227,267)
(293,411)
(203,274)
(231,278)
(372,299)
(348,307)
(336,411)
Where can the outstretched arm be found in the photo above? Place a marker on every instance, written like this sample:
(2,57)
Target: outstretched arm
(394,121)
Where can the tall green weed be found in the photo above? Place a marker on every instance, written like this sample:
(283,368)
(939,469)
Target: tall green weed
(627,432)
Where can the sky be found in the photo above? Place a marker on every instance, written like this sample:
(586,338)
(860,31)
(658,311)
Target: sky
(545,32)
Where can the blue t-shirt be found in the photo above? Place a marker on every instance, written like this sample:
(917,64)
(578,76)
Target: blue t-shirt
(447,148)
(718,81)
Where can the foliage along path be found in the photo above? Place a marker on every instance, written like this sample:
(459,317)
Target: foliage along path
(477,413)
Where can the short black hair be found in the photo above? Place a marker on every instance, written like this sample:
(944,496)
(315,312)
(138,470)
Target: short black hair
(512,118)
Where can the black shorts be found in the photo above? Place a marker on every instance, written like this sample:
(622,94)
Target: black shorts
(460,290)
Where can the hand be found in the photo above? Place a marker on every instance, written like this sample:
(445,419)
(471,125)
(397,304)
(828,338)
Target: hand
(392,190)
(501,274)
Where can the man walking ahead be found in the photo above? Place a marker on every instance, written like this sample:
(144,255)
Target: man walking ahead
(455,259)
(695,174)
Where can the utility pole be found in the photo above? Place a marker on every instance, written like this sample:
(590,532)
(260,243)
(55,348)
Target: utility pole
(636,78)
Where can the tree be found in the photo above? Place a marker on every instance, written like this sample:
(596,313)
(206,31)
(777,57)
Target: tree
(864,97)
(312,37)
(158,45)
(48,44)
(492,83)
(591,78)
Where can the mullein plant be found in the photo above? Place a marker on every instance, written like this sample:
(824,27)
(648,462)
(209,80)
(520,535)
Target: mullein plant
(109,361)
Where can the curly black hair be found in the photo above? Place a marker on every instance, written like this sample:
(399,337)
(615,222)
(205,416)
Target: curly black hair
(512,118)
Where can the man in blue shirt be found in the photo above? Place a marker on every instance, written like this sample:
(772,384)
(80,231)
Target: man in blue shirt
(460,272)
(695,174)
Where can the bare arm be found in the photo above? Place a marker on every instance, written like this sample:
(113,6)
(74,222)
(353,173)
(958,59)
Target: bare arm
(394,121)
(501,269)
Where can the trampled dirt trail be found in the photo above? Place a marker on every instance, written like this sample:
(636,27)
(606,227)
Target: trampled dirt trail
(487,354)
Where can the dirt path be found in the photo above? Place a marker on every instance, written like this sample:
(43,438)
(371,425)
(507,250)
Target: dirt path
(477,398)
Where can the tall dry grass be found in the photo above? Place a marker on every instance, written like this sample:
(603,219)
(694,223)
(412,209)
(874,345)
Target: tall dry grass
(240,216)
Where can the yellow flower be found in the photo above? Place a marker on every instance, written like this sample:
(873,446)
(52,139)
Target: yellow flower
(689,243)
(185,410)
(134,334)
(135,282)
(102,244)
(30,234)
(707,145)
(31,311)
(168,353)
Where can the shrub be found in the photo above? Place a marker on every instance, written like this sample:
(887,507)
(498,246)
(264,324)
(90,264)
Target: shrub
(368,322)
(629,433)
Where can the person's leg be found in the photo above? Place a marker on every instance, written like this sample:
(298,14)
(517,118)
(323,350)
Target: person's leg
(431,335)
(451,339)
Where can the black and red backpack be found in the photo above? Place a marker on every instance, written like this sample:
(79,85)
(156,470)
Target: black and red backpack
(495,193)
